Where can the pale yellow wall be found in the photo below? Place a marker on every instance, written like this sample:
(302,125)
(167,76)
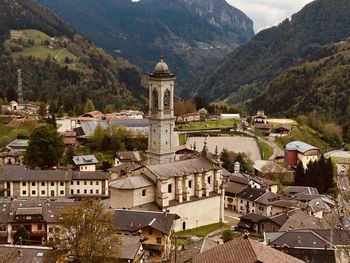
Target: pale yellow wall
(122,198)
(140,200)
(95,185)
(199,213)
(87,168)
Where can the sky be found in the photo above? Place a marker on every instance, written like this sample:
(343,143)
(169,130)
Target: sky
(267,13)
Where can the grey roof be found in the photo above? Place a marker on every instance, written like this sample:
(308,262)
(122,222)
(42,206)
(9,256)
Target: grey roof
(301,220)
(195,248)
(239,179)
(265,166)
(250,194)
(93,175)
(87,128)
(28,254)
(301,189)
(29,211)
(279,219)
(299,146)
(126,167)
(132,182)
(268,198)
(233,187)
(131,220)
(129,156)
(19,173)
(132,123)
(252,217)
(129,247)
(85,159)
(263,181)
(182,167)
(18,144)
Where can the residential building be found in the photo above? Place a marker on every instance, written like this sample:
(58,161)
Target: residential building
(236,116)
(188,117)
(196,247)
(271,169)
(86,163)
(69,138)
(38,216)
(300,151)
(127,157)
(260,117)
(315,245)
(265,129)
(153,228)
(130,249)
(258,223)
(17,181)
(243,250)
(284,128)
(8,157)
(23,254)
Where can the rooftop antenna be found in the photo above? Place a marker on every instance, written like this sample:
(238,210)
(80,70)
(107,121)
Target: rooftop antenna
(19,88)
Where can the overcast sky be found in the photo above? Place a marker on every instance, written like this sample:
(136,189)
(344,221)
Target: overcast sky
(267,13)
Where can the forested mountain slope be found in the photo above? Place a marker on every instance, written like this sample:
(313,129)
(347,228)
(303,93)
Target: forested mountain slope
(244,73)
(191,34)
(58,64)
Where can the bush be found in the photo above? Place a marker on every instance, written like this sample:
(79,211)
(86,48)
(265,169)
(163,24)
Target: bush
(227,235)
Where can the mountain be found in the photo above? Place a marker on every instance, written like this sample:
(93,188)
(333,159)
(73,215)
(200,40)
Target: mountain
(60,65)
(245,72)
(191,34)
(321,84)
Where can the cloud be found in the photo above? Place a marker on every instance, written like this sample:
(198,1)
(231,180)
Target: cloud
(267,13)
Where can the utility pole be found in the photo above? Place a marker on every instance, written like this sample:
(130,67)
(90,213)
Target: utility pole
(20,88)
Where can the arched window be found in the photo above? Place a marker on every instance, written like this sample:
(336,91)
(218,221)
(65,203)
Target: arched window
(167,100)
(154,102)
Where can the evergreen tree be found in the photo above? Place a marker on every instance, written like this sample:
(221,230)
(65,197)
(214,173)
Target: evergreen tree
(89,106)
(225,159)
(42,112)
(299,178)
(21,236)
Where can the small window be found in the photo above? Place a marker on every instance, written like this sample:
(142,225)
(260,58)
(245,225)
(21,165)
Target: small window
(62,192)
(33,183)
(78,191)
(91,191)
(42,192)
(72,192)
(85,191)
(169,188)
(144,192)
(97,182)
(40,227)
(24,183)
(85,183)
(42,183)
(91,182)
(24,192)
(97,191)
(52,183)
(209,180)
(61,183)
(78,182)
(150,231)
(72,182)
(190,183)
(253,204)
(159,240)
(33,192)
(241,201)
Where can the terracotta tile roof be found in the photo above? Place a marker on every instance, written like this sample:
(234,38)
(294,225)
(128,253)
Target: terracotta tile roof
(195,248)
(233,188)
(242,250)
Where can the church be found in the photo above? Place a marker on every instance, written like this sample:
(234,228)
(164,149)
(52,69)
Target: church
(191,188)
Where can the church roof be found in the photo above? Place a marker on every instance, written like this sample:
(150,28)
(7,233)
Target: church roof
(131,182)
(163,171)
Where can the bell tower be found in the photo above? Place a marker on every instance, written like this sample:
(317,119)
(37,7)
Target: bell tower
(161,148)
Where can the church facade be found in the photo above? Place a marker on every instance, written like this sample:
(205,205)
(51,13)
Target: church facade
(190,188)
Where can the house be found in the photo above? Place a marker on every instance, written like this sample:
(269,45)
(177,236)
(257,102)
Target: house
(300,151)
(154,228)
(271,169)
(17,181)
(230,116)
(69,138)
(243,250)
(8,157)
(130,249)
(18,145)
(265,129)
(24,254)
(293,190)
(85,163)
(127,157)
(189,251)
(315,245)
(260,117)
(188,117)
(135,126)
(284,128)
(38,216)
(122,170)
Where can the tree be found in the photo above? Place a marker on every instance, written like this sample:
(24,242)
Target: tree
(45,148)
(109,109)
(86,234)
(299,174)
(22,236)
(68,156)
(225,158)
(227,235)
(97,138)
(89,106)
(42,112)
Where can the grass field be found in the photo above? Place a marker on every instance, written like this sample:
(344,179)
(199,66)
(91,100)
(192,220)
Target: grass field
(38,50)
(305,134)
(201,231)
(207,125)
(265,150)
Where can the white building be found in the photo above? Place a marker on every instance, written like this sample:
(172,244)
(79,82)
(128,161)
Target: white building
(85,163)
